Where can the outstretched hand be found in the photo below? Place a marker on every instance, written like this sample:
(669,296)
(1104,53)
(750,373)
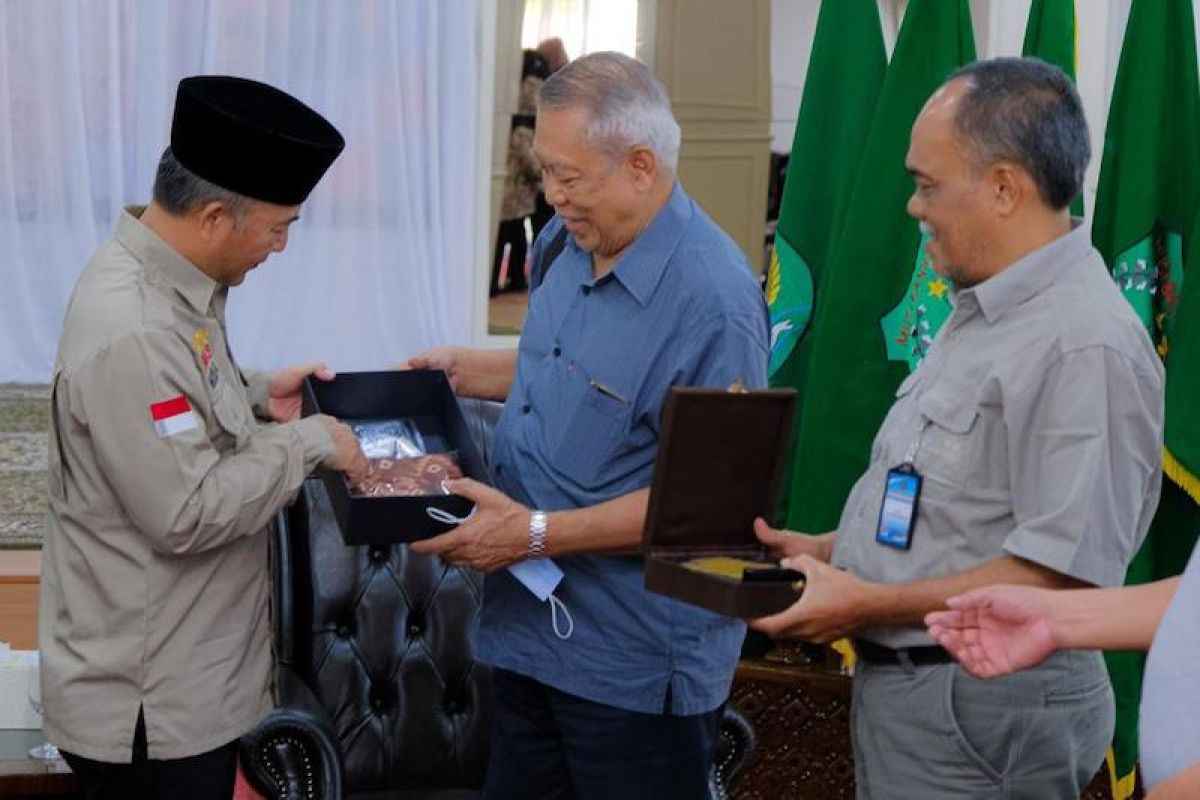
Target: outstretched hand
(997,630)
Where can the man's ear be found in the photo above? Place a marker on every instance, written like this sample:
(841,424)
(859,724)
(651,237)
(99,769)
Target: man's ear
(643,165)
(1010,186)
(213,219)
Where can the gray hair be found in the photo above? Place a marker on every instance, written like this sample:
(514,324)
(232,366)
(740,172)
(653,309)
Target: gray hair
(626,105)
(179,190)
(1026,111)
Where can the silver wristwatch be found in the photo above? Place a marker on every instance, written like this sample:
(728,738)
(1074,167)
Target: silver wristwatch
(537,534)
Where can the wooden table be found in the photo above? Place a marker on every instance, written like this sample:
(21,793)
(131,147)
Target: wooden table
(24,777)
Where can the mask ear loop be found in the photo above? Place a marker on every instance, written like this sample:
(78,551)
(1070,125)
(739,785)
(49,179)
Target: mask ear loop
(445,517)
(557,606)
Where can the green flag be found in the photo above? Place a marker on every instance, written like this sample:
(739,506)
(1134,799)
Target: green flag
(1180,346)
(1146,204)
(845,72)
(849,382)
(1050,36)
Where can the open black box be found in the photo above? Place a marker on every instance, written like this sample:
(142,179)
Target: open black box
(425,398)
(720,463)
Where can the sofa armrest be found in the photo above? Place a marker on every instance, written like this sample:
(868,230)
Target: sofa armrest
(735,746)
(293,753)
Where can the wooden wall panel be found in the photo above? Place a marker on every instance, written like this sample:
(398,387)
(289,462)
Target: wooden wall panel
(714,58)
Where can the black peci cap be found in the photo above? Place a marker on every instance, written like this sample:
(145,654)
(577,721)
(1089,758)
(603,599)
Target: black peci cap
(251,138)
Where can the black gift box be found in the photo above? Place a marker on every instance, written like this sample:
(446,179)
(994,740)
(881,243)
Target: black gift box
(423,397)
(720,464)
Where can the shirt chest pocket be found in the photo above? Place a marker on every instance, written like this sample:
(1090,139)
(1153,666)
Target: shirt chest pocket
(594,432)
(231,413)
(949,446)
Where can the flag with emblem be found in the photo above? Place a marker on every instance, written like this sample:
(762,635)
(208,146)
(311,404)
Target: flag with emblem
(845,72)
(842,84)
(849,381)
(1146,204)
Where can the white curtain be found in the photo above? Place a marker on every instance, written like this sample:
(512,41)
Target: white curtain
(380,263)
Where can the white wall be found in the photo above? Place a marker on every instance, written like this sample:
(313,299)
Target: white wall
(999,30)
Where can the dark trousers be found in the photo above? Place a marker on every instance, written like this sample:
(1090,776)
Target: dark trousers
(208,776)
(550,745)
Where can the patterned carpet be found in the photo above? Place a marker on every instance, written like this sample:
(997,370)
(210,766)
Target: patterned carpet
(23,423)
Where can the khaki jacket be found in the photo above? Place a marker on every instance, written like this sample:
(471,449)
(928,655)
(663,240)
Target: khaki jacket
(162,483)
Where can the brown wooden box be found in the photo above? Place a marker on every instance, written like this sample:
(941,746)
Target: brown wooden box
(720,464)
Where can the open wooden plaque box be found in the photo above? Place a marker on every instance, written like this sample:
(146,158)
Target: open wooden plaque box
(720,464)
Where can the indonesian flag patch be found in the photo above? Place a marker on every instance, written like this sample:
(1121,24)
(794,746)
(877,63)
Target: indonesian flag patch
(172,416)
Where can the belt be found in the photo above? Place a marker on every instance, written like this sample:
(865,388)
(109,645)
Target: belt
(926,655)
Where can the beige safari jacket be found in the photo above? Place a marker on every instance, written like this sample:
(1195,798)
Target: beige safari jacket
(162,483)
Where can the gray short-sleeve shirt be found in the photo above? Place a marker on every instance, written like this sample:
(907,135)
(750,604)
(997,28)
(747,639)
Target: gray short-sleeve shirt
(1037,421)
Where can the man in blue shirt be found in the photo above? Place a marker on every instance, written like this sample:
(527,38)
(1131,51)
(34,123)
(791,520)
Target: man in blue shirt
(604,690)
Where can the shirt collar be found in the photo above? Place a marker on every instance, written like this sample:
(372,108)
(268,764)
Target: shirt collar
(1030,274)
(164,263)
(641,266)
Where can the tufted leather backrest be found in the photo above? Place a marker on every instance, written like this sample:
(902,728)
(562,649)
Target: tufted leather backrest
(382,635)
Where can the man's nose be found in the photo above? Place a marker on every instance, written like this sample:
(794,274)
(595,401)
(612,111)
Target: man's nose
(553,191)
(913,207)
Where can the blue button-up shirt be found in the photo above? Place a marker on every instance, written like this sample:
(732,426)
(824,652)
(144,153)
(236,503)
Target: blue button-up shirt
(581,426)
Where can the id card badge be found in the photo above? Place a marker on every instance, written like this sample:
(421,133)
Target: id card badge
(898,514)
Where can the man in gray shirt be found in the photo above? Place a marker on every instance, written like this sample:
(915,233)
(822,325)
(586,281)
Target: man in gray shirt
(1025,449)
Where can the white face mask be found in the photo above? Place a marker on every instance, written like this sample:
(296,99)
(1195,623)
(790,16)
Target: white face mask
(539,575)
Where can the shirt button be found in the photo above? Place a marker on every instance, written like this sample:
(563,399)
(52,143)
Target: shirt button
(587,290)
(499,469)
(525,409)
(557,352)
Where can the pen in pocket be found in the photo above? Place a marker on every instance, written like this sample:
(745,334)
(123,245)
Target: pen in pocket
(604,388)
